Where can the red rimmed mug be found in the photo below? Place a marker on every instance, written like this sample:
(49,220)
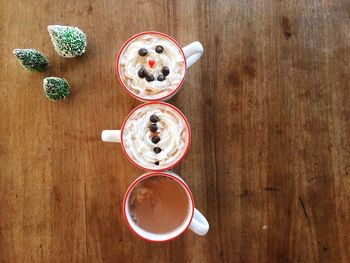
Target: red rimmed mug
(190,53)
(195,221)
(134,148)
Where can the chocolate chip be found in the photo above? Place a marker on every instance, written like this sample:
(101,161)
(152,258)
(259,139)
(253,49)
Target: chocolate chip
(159,49)
(153,127)
(143,52)
(165,71)
(153,118)
(149,77)
(161,77)
(156,163)
(142,73)
(157,149)
(155,139)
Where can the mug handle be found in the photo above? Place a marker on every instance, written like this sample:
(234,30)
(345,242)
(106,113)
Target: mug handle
(110,136)
(199,224)
(193,52)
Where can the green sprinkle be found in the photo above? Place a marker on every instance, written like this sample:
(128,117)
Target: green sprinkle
(68,41)
(56,88)
(31,59)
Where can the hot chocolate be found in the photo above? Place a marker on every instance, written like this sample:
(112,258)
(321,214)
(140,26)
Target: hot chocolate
(151,66)
(156,136)
(159,204)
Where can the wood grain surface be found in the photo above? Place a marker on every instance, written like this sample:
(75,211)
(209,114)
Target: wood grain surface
(269,107)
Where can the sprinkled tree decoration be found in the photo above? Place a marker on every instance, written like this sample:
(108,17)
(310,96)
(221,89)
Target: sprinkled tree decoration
(56,88)
(31,59)
(68,41)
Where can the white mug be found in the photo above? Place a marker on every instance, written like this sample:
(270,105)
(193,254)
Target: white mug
(117,136)
(195,221)
(191,53)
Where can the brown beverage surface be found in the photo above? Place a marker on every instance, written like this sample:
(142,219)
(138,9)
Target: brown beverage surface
(159,204)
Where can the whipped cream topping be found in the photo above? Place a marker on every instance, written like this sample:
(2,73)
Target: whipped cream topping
(172,130)
(131,62)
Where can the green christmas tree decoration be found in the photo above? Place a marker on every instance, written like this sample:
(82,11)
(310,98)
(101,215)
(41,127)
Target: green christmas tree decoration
(32,59)
(68,41)
(56,88)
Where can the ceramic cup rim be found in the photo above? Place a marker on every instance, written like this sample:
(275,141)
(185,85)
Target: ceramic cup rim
(171,165)
(167,174)
(124,85)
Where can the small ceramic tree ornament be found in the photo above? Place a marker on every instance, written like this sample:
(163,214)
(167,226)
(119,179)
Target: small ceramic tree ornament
(56,88)
(68,41)
(31,59)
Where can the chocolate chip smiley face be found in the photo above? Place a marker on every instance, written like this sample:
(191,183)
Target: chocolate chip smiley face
(144,73)
(152,66)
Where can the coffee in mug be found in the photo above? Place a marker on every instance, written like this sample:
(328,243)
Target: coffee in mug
(152,66)
(159,206)
(155,136)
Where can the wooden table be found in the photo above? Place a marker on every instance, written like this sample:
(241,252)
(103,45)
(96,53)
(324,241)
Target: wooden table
(269,106)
